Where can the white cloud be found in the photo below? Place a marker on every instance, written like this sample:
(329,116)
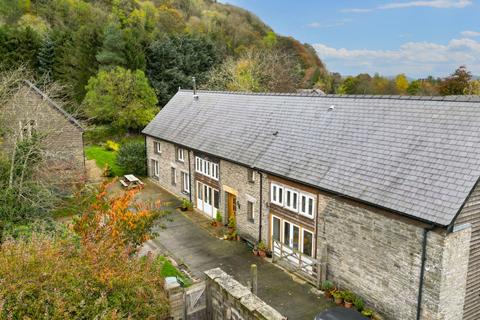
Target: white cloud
(416,59)
(470,34)
(438,4)
(356,10)
(333,24)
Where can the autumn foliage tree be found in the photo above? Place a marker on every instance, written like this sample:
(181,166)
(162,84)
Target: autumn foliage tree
(92,273)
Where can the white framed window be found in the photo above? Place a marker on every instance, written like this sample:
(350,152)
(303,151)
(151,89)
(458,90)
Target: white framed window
(277,194)
(216,173)
(291,199)
(307,206)
(251,175)
(185,182)
(292,235)
(250,211)
(207,168)
(181,154)
(307,243)
(155,168)
(157,147)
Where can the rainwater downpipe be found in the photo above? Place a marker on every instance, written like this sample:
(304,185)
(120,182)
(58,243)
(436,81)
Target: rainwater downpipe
(190,176)
(260,212)
(422,270)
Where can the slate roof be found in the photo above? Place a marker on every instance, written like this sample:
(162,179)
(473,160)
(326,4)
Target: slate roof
(418,156)
(54,105)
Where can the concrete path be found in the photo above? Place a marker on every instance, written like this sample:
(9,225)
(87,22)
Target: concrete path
(184,237)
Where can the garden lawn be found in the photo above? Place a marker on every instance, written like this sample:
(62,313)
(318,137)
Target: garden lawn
(168,270)
(103,157)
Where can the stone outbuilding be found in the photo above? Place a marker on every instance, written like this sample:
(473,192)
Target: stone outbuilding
(384,186)
(30,112)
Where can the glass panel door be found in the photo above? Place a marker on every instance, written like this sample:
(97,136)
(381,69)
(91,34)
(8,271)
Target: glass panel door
(286,233)
(295,241)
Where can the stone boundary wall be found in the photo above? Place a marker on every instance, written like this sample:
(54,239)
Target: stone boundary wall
(228,299)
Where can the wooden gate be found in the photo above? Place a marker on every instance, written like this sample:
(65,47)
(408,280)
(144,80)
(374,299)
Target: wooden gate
(308,268)
(196,302)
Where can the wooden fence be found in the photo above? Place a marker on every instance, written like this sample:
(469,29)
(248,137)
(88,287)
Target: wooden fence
(311,269)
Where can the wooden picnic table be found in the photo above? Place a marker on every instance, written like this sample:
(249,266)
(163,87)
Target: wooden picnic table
(130,181)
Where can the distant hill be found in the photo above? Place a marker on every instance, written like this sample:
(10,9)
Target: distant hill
(72,39)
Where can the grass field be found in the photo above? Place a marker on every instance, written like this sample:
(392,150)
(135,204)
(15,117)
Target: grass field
(103,157)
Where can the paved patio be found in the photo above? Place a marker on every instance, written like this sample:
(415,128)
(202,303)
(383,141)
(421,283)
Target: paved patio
(186,238)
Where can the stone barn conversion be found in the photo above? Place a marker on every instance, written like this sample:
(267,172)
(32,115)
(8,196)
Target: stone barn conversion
(384,186)
(32,113)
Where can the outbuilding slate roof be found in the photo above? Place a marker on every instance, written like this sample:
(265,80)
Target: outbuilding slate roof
(418,156)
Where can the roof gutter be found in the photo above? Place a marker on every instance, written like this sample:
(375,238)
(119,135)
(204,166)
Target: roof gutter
(422,269)
(338,194)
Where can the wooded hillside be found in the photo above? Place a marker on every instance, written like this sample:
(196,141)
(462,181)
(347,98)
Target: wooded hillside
(168,41)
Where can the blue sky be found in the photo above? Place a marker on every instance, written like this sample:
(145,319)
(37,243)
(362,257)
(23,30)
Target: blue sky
(419,38)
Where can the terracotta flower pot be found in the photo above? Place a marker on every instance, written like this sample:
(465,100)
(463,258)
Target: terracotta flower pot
(338,301)
(348,305)
(262,253)
(328,294)
(255,252)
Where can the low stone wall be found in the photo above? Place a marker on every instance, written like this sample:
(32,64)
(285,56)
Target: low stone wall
(228,299)
(220,298)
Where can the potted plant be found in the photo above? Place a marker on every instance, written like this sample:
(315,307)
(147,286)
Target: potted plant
(367,313)
(186,205)
(218,219)
(348,298)
(337,296)
(262,249)
(231,224)
(358,303)
(327,287)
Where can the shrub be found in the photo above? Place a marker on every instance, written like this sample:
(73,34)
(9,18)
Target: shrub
(261,246)
(131,157)
(367,312)
(327,285)
(348,296)
(187,204)
(92,274)
(218,217)
(231,222)
(99,133)
(337,294)
(60,280)
(359,303)
(112,146)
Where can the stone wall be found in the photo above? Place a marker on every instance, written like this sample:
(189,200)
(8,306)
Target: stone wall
(234,178)
(455,268)
(377,255)
(228,299)
(372,252)
(167,160)
(62,142)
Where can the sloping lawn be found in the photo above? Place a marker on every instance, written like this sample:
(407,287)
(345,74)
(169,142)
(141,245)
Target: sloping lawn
(103,157)
(168,270)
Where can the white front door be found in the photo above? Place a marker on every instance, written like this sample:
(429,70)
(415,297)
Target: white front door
(207,198)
